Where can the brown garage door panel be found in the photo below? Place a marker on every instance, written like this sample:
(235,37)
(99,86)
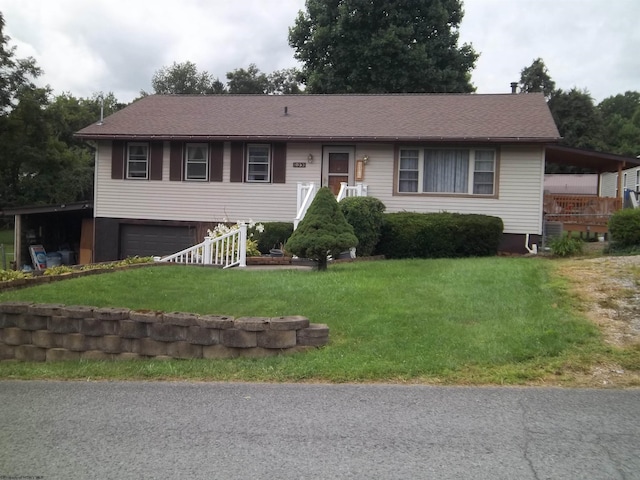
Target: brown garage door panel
(152,240)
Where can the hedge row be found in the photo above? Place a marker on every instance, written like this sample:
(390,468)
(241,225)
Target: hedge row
(439,235)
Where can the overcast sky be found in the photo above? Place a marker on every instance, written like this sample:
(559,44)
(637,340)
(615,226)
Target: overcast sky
(88,46)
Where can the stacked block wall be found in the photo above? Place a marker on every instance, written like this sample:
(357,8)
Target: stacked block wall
(49,332)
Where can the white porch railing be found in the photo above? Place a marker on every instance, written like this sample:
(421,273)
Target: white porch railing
(228,250)
(359,190)
(306,194)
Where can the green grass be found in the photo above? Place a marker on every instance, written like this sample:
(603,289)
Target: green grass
(486,320)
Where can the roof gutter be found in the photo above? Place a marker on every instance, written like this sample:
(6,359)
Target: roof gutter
(322,138)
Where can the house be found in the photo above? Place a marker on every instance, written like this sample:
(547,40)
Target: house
(169,165)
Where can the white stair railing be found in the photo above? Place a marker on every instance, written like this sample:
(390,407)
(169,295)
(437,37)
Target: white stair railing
(359,190)
(227,250)
(306,194)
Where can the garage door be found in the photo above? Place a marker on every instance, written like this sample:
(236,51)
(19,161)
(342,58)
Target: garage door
(154,240)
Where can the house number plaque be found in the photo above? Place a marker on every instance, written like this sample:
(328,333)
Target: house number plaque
(299,165)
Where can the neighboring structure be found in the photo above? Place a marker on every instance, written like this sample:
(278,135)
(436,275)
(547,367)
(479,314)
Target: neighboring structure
(571,183)
(166,166)
(611,182)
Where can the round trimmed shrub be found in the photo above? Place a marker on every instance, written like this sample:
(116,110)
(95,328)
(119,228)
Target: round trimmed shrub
(624,227)
(274,235)
(323,231)
(365,215)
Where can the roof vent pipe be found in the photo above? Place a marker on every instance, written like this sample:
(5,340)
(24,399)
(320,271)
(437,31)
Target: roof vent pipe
(286,110)
(101,110)
(514,87)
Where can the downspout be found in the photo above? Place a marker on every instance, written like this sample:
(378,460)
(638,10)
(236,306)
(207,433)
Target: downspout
(534,247)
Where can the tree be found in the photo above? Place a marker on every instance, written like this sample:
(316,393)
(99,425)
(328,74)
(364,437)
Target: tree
(184,78)
(621,119)
(578,120)
(382,46)
(579,123)
(15,74)
(323,231)
(285,82)
(536,78)
(251,80)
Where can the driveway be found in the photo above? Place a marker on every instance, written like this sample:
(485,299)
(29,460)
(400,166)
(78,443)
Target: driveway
(136,430)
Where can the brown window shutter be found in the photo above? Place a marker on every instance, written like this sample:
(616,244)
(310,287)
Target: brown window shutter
(175,162)
(237,161)
(155,160)
(216,154)
(117,159)
(279,162)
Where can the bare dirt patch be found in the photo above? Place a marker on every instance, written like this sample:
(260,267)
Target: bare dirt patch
(608,290)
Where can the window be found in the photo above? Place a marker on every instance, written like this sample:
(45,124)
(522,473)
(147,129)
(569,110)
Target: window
(638,180)
(447,170)
(258,163)
(138,160)
(409,172)
(483,172)
(196,162)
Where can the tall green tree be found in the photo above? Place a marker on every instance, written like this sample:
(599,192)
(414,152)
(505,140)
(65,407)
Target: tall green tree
(577,118)
(536,78)
(382,46)
(184,78)
(621,119)
(16,74)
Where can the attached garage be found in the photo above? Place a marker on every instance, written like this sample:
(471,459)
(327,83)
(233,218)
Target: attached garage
(154,240)
(119,238)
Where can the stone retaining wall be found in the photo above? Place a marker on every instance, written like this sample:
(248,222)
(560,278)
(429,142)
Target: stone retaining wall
(49,332)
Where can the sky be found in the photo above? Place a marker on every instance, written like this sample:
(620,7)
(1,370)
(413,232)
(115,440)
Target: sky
(90,46)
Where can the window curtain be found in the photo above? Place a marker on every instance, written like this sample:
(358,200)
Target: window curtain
(446,171)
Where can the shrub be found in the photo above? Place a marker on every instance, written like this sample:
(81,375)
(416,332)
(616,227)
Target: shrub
(365,215)
(624,228)
(274,235)
(566,246)
(59,270)
(8,275)
(438,235)
(323,231)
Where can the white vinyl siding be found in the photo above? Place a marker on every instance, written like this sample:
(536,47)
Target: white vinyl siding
(204,201)
(517,199)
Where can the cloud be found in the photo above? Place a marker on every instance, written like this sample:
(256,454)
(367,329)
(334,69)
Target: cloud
(117,45)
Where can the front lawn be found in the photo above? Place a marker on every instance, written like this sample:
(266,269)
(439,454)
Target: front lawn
(485,320)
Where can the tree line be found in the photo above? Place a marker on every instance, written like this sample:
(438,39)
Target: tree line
(351,46)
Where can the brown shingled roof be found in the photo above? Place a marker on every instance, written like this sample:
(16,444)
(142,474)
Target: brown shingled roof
(456,117)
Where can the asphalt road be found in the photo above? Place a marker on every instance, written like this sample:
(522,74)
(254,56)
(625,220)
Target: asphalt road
(136,430)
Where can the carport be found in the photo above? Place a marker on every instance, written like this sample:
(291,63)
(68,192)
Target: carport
(67,227)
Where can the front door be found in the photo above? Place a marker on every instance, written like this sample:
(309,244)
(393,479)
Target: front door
(337,167)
